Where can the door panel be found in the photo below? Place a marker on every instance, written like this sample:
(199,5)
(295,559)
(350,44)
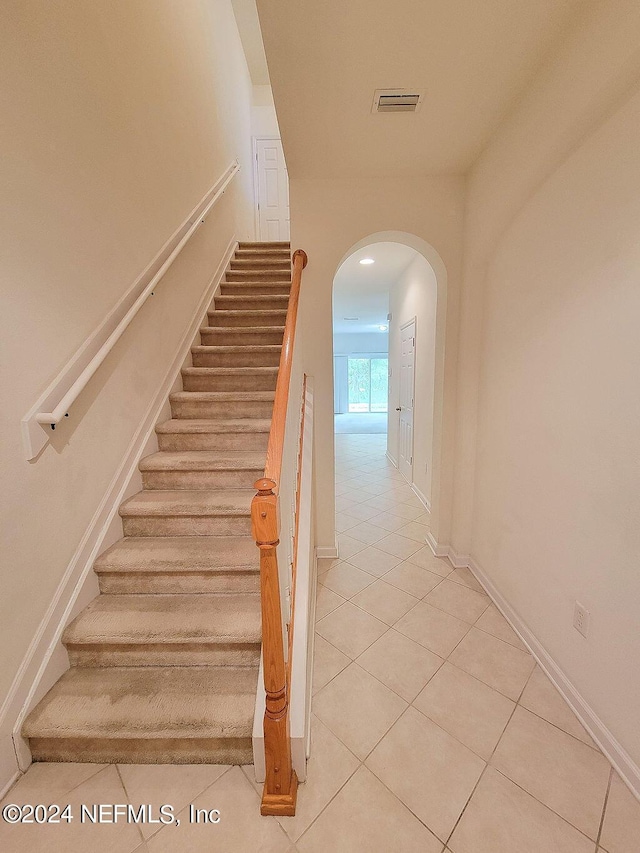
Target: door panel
(273,191)
(407,371)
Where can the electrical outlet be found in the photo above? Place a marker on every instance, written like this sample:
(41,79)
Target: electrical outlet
(581,618)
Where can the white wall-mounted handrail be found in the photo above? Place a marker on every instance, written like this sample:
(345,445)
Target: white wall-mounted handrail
(69,384)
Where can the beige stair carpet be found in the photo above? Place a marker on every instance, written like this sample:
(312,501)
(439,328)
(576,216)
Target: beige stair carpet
(164,663)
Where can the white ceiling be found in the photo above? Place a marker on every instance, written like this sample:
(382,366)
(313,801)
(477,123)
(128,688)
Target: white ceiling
(472,57)
(246,16)
(363,291)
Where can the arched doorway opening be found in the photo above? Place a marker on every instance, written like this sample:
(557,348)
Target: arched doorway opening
(391,310)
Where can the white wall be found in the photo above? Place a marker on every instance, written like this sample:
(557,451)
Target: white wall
(345,343)
(264,121)
(415,295)
(118,117)
(328,218)
(550,353)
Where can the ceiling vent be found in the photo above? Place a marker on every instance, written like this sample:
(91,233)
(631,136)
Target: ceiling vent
(397,100)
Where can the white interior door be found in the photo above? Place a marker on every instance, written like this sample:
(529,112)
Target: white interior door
(407,374)
(272,185)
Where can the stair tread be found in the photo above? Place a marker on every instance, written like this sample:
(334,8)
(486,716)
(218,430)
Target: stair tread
(147,702)
(212,425)
(188,502)
(167,618)
(258,282)
(203,460)
(255,297)
(243,257)
(225,396)
(240,348)
(179,554)
(232,312)
(270,252)
(228,371)
(255,244)
(218,330)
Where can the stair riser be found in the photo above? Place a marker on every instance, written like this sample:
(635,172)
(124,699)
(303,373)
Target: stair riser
(264,288)
(248,318)
(282,254)
(165,654)
(200,479)
(250,358)
(143,751)
(159,583)
(168,525)
(213,440)
(267,262)
(263,264)
(214,410)
(233,382)
(258,245)
(224,338)
(251,303)
(258,275)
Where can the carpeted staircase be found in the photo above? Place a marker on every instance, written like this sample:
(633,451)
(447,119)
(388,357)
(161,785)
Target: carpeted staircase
(164,663)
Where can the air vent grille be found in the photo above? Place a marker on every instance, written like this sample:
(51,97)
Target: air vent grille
(397,100)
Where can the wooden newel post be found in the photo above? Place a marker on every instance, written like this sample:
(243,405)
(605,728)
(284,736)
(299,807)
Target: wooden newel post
(281,783)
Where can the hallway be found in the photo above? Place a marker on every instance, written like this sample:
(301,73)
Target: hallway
(419,676)
(431,723)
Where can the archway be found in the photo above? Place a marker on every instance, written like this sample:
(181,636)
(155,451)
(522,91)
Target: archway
(426,272)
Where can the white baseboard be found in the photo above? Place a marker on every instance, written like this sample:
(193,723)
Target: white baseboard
(10,783)
(438,550)
(624,765)
(422,498)
(9,769)
(393,461)
(458,561)
(46,659)
(327,552)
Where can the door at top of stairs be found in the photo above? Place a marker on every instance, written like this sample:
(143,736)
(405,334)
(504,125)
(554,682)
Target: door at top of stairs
(272,189)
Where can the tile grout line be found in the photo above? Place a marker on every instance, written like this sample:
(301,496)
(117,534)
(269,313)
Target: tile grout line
(604,809)
(128,798)
(513,782)
(488,760)
(411,705)
(382,782)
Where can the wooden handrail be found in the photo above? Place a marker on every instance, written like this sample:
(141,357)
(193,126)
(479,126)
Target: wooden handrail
(273,465)
(281,783)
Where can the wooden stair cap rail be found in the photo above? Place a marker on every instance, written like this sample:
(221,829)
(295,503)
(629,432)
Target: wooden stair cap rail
(302,254)
(264,486)
(281,783)
(273,464)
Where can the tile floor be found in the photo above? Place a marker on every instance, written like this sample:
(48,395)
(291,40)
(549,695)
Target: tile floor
(433,730)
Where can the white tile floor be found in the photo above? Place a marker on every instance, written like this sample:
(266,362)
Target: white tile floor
(433,729)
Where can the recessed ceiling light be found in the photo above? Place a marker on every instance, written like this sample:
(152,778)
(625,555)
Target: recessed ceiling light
(383,328)
(367,261)
(351,318)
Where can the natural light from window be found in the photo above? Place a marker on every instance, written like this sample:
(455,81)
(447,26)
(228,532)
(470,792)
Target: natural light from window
(368,380)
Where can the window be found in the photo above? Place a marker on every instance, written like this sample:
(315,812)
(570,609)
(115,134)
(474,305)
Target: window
(368,380)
